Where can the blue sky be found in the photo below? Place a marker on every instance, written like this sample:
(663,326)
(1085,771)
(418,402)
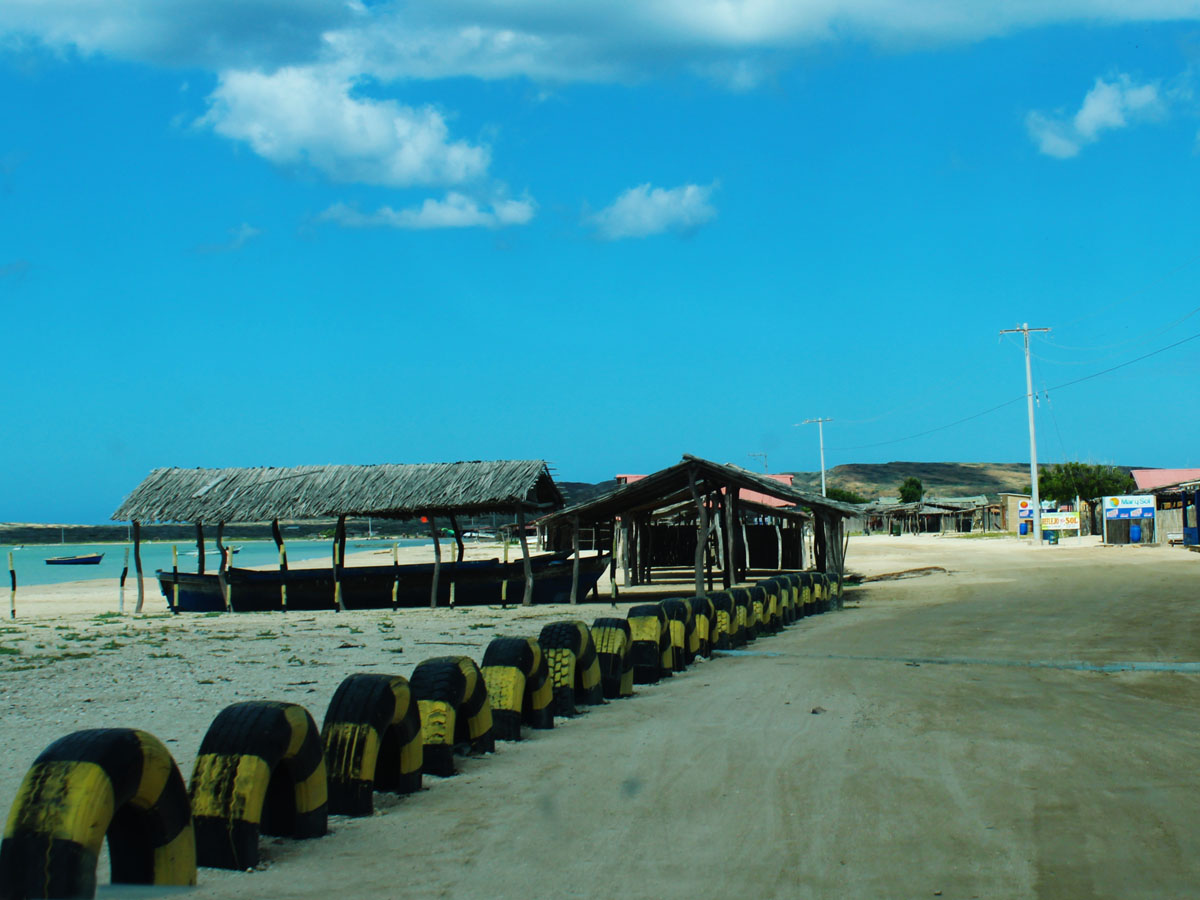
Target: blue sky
(275,233)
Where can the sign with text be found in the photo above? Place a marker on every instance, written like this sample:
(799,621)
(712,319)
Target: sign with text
(1129,507)
(1025,509)
(1060,521)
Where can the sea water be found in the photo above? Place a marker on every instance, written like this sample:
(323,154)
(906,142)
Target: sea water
(30,560)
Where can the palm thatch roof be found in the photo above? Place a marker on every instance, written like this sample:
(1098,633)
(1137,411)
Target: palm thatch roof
(312,492)
(674,485)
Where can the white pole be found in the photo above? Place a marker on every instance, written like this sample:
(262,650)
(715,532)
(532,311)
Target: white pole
(1033,466)
(821,438)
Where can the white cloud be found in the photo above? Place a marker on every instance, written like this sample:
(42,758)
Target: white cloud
(309,116)
(644,210)
(454,211)
(1108,106)
(238,238)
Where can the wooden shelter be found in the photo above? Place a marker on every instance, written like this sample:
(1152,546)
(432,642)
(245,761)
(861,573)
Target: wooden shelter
(393,491)
(706,496)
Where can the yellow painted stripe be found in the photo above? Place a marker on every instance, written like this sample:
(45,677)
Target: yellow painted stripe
(297,718)
(70,801)
(645,628)
(230,786)
(437,722)
(543,696)
(412,756)
(505,687)
(175,861)
(313,792)
(352,750)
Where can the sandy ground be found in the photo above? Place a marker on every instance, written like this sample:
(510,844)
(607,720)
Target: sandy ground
(939,737)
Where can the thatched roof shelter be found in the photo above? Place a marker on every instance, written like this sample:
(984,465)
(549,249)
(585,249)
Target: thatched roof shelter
(311,492)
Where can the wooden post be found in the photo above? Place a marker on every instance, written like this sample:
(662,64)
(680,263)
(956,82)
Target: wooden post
(277,537)
(527,600)
(718,513)
(124,572)
(730,575)
(437,563)
(504,582)
(625,527)
(778,545)
(199,547)
(174,577)
(222,582)
(462,551)
(575,563)
(339,561)
(12,587)
(137,562)
(701,532)
(746,549)
(613,590)
(395,573)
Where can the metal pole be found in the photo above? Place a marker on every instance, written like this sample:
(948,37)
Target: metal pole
(1024,329)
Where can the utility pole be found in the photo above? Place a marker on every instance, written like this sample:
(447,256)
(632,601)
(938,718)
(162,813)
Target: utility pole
(1024,330)
(820,423)
(763,457)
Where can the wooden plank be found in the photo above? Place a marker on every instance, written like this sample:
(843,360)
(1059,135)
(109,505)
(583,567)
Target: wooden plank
(200,547)
(137,561)
(575,563)
(701,532)
(437,563)
(339,560)
(222,583)
(527,600)
(277,536)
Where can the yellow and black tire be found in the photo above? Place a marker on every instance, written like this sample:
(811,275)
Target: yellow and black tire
(651,647)
(797,582)
(682,630)
(704,615)
(782,589)
(574,669)
(745,613)
(821,590)
(518,685)
(836,589)
(260,769)
(114,782)
(613,645)
(758,603)
(726,634)
(808,593)
(372,737)
(789,596)
(455,712)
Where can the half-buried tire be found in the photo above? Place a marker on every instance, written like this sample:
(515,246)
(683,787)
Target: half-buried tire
(518,686)
(651,648)
(725,628)
(682,630)
(260,769)
(704,615)
(455,712)
(747,623)
(574,669)
(114,782)
(372,737)
(613,646)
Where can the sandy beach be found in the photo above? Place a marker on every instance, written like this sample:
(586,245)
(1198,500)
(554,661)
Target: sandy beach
(981,776)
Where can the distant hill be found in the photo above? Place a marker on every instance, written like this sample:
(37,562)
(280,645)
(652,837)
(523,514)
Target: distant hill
(582,491)
(943,479)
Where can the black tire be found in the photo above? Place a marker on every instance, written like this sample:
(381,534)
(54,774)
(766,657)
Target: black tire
(725,630)
(808,596)
(455,712)
(114,782)
(261,768)
(651,643)
(574,670)
(518,686)
(613,645)
(745,614)
(705,616)
(372,737)
(679,620)
(778,600)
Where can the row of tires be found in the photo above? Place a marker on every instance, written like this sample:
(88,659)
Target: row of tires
(265,768)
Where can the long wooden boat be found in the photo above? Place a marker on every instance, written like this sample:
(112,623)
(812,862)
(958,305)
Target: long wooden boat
(476,583)
(84,559)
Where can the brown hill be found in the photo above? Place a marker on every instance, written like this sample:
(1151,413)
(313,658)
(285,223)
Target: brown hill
(944,479)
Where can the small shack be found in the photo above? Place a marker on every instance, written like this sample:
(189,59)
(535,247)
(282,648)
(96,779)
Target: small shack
(428,491)
(693,515)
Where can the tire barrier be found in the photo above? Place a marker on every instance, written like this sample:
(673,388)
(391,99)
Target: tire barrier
(808,594)
(682,630)
(574,669)
(114,782)
(725,631)
(614,645)
(704,615)
(651,649)
(372,738)
(260,769)
(745,614)
(779,595)
(760,597)
(518,685)
(455,712)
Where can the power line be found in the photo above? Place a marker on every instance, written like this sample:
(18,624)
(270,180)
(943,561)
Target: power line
(998,406)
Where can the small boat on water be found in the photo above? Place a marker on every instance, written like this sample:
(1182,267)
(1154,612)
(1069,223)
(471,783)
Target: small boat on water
(476,583)
(84,559)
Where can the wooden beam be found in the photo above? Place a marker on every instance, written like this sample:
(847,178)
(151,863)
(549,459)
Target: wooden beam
(701,532)
(222,583)
(137,563)
(729,576)
(575,562)
(778,546)
(526,600)
(277,536)
(199,547)
(339,560)
(613,590)
(437,563)
(458,538)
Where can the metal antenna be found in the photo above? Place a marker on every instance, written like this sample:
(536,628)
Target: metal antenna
(1024,330)
(820,423)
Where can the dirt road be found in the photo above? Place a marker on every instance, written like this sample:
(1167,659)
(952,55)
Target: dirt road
(835,766)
